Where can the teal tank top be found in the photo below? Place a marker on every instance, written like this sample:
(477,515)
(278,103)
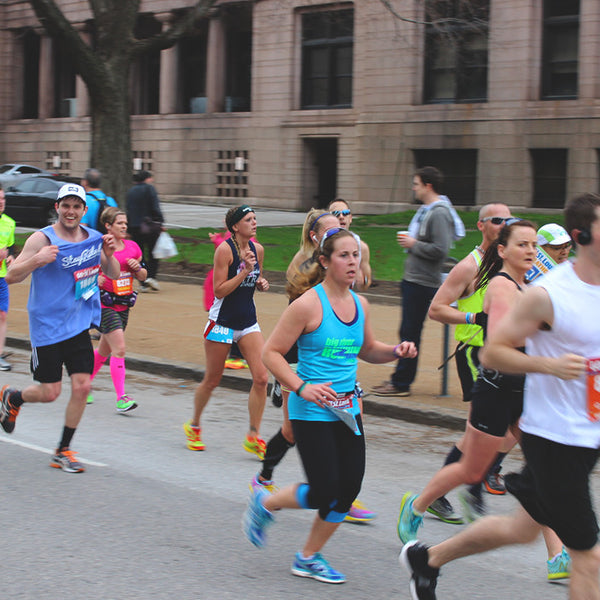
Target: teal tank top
(329,353)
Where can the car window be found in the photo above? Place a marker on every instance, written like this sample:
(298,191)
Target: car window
(26,186)
(45,185)
(5,168)
(26,170)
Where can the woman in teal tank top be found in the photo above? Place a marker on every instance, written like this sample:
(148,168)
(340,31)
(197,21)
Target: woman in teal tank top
(332,327)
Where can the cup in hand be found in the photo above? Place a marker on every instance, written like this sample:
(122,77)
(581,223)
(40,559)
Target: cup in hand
(401,234)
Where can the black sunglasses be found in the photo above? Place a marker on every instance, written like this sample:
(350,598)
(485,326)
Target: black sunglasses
(496,220)
(337,213)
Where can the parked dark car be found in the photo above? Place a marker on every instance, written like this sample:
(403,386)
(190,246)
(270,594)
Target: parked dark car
(13,173)
(31,202)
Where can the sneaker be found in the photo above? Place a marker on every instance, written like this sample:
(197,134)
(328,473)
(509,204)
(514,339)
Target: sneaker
(65,460)
(236,363)
(316,568)
(267,484)
(276,397)
(89,399)
(423,578)
(8,412)
(193,437)
(257,518)
(408,521)
(359,514)
(255,445)
(442,509)
(387,389)
(5,365)
(494,484)
(152,283)
(559,567)
(125,404)
(473,507)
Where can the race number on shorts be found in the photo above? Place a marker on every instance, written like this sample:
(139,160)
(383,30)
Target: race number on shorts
(593,388)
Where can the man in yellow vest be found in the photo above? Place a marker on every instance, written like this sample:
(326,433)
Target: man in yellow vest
(7,242)
(458,303)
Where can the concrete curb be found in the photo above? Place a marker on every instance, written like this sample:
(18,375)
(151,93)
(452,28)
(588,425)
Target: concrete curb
(377,408)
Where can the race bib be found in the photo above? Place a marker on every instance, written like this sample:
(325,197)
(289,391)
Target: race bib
(123,286)
(86,282)
(593,388)
(343,401)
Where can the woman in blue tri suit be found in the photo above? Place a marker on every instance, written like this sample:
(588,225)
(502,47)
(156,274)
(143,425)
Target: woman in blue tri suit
(332,327)
(232,318)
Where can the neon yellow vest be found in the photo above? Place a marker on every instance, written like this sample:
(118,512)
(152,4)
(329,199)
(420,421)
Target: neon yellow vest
(472,304)
(7,238)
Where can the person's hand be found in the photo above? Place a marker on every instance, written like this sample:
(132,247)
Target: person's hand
(406,241)
(262,285)
(109,244)
(568,366)
(405,350)
(133,265)
(47,254)
(101,279)
(249,260)
(3,253)
(319,393)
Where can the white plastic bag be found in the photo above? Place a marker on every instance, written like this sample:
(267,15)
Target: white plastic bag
(165,246)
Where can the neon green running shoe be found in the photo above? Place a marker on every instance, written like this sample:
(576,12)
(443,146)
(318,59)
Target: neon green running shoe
(90,399)
(193,437)
(125,403)
(255,445)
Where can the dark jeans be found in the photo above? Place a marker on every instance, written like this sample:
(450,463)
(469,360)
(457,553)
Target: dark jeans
(146,244)
(415,304)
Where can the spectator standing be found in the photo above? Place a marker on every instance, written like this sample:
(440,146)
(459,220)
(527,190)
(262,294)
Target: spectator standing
(7,248)
(63,260)
(145,222)
(428,242)
(96,200)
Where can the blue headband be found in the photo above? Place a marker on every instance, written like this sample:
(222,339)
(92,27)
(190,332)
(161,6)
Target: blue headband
(315,221)
(329,233)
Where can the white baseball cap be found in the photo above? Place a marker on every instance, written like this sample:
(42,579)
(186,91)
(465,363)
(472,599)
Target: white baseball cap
(552,234)
(71,189)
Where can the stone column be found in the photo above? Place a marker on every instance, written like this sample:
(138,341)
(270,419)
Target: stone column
(215,66)
(81,91)
(167,102)
(46,88)
(589,46)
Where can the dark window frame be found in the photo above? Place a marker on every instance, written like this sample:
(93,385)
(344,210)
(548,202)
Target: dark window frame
(337,81)
(557,23)
(549,168)
(469,71)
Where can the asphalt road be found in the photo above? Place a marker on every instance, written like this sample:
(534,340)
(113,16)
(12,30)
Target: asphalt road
(153,520)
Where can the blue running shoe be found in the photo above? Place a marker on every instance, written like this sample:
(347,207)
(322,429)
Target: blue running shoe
(316,568)
(257,518)
(408,521)
(559,567)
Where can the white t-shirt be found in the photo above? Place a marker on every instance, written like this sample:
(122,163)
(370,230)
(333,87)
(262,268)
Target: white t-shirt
(554,408)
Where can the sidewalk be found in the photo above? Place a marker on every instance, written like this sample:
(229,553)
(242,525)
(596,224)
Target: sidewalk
(164,336)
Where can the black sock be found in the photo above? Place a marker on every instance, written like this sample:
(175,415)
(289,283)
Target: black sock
(498,462)
(16,399)
(475,490)
(453,456)
(67,436)
(276,450)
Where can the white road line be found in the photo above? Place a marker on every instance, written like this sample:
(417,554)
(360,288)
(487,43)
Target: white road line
(48,451)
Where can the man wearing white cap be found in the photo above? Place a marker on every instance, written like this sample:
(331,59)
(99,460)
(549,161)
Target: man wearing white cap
(555,241)
(64,302)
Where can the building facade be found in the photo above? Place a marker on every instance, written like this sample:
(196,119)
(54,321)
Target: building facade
(290,103)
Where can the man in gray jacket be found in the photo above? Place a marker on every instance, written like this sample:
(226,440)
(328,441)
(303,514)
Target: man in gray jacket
(428,242)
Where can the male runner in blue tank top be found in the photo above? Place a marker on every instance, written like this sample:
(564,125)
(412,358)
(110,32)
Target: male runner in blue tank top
(64,302)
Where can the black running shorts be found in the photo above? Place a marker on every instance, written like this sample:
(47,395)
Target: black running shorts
(76,353)
(553,488)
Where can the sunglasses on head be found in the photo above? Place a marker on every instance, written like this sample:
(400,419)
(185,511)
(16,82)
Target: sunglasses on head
(496,220)
(337,213)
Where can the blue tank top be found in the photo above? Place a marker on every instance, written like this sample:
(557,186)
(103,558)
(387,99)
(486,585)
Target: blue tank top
(329,354)
(237,310)
(64,299)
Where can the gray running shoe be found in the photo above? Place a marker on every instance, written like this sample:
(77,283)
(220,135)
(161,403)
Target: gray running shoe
(442,509)
(5,365)
(65,460)
(473,507)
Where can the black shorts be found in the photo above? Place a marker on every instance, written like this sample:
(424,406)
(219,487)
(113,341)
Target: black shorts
(553,488)
(467,364)
(113,320)
(496,402)
(76,353)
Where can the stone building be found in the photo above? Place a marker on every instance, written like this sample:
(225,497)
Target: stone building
(289,103)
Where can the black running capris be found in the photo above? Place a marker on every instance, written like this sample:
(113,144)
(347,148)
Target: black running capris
(334,463)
